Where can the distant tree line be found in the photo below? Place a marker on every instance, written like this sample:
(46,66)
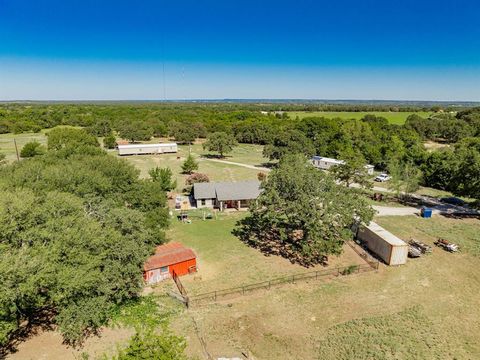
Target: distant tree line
(373,139)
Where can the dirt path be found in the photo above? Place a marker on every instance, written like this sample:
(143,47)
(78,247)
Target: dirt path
(395,211)
(238,164)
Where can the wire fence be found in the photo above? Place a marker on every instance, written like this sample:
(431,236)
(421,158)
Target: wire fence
(290,279)
(371,265)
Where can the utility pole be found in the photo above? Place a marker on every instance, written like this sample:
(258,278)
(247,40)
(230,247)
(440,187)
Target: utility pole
(16,149)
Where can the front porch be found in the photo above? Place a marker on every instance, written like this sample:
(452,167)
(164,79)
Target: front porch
(223,205)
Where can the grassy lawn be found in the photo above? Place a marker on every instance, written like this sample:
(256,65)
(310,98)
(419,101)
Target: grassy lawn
(394,117)
(225,262)
(244,153)
(462,232)
(426,309)
(7,145)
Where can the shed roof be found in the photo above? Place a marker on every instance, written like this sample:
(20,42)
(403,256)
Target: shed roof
(168,254)
(241,190)
(386,235)
(135,146)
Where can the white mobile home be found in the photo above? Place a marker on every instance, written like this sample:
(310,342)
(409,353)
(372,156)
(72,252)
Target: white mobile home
(325,163)
(387,246)
(143,149)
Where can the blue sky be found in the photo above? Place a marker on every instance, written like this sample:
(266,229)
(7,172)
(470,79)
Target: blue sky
(343,49)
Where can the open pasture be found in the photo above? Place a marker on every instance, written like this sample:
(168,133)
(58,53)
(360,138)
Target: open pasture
(224,261)
(426,309)
(244,154)
(397,118)
(7,143)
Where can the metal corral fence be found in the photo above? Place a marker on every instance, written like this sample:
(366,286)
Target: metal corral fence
(317,274)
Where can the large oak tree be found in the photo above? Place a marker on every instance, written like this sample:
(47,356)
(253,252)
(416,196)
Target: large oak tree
(302,214)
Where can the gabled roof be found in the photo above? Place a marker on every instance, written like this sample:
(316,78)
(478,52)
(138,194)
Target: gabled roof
(168,254)
(241,190)
(204,191)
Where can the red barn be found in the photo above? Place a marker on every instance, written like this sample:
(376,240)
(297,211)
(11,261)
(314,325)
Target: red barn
(169,258)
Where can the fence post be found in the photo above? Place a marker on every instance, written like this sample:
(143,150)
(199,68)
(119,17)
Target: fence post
(215,295)
(293,279)
(268,284)
(243,290)
(316,274)
(338,271)
(358,269)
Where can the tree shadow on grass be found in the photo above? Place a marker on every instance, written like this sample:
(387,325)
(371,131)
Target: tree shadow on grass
(269,245)
(215,156)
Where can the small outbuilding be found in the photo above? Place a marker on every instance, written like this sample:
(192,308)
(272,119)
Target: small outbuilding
(168,259)
(383,243)
(144,149)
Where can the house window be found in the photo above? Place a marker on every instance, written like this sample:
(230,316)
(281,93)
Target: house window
(203,202)
(164,269)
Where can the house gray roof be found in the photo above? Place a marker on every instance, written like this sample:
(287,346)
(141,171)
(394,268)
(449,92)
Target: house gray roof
(204,191)
(241,190)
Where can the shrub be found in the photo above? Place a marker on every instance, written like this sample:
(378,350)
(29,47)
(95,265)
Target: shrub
(109,141)
(197,178)
(31,149)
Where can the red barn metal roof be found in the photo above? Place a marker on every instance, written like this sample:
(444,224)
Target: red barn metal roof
(168,254)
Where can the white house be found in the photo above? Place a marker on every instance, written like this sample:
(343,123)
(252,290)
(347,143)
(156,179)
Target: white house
(325,163)
(142,149)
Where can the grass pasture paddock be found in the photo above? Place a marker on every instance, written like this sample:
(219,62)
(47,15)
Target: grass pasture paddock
(426,309)
(243,154)
(393,117)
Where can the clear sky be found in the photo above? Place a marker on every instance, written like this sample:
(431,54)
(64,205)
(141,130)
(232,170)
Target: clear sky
(215,49)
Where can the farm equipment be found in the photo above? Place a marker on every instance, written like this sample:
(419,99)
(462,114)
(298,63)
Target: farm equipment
(424,248)
(446,245)
(414,252)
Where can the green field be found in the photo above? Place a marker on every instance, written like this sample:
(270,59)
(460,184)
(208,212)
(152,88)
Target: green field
(7,142)
(224,261)
(243,154)
(426,309)
(393,117)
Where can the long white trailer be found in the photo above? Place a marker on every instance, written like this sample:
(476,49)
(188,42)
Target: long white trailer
(143,149)
(325,163)
(387,246)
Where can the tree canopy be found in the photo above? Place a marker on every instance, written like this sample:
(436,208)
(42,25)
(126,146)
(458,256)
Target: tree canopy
(302,214)
(76,226)
(220,142)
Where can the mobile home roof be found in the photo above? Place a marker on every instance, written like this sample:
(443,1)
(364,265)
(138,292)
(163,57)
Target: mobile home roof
(134,146)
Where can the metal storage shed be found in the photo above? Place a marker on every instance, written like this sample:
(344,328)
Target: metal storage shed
(387,246)
(169,258)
